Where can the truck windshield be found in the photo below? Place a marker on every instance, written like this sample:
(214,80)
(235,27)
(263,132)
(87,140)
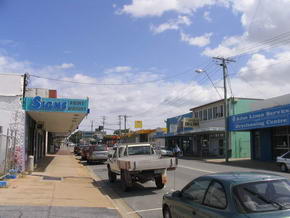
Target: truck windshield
(139,150)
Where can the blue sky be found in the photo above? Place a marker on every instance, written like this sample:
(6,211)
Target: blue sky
(92,36)
(137,40)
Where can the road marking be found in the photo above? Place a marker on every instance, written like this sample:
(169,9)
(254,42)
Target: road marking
(140,211)
(191,168)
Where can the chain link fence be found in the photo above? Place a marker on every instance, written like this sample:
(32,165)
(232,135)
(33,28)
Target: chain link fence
(7,151)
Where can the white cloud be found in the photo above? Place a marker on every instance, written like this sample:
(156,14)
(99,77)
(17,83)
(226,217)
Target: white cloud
(154,102)
(65,66)
(261,20)
(141,8)
(8,42)
(150,102)
(119,69)
(199,41)
(173,24)
(206,16)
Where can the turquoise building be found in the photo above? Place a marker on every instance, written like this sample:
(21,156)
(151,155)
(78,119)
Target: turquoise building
(201,132)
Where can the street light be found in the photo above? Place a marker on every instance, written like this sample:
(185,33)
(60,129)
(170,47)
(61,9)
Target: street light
(226,136)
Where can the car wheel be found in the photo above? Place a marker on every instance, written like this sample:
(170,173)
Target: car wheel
(158,182)
(112,176)
(166,212)
(283,168)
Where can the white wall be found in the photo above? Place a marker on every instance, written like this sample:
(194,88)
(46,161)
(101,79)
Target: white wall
(32,92)
(11,85)
(11,114)
(270,102)
(8,106)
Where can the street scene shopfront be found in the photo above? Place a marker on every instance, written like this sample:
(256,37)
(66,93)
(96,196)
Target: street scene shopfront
(49,121)
(270,131)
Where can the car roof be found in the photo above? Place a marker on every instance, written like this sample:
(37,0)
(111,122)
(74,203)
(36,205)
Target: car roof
(134,144)
(243,177)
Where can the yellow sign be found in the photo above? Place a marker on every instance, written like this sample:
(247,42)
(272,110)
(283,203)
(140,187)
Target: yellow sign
(138,123)
(190,122)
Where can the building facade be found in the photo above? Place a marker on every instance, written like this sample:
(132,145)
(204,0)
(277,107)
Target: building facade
(33,121)
(205,137)
(268,123)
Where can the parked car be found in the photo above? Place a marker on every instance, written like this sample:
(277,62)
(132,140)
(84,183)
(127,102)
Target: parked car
(138,163)
(166,152)
(233,194)
(97,153)
(84,151)
(77,150)
(170,152)
(284,161)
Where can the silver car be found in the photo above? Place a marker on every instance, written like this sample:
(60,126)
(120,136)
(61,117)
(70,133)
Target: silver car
(97,153)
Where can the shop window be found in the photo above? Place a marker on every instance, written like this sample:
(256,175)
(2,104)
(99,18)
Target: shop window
(200,115)
(282,130)
(205,114)
(221,111)
(214,110)
(209,113)
(196,114)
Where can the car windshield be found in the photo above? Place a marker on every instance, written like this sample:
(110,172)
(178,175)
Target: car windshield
(263,196)
(99,148)
(139,150)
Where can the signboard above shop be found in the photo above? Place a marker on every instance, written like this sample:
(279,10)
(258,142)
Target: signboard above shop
(265,118)
(190,122)
(56,105)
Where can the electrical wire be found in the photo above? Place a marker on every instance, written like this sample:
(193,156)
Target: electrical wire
(112,84)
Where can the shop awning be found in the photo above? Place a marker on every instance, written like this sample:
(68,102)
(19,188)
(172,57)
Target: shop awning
(196,131)
(57,122)
(57,115)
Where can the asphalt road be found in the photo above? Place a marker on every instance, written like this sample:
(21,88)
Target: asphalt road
(146,200)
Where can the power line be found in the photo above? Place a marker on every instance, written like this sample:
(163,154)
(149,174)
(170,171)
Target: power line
(265,44)
(112,84)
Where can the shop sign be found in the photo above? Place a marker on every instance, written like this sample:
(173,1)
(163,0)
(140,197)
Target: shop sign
(138,124)
(55,105)
(270,117)
(190,122)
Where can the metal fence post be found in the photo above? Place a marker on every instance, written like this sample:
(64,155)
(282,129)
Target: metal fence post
(6,152)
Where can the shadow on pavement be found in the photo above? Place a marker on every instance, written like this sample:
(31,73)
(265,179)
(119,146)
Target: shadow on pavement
(115,192)
(43,164)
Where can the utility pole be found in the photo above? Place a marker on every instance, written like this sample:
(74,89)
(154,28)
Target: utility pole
(25,83)
(92,125)
(224,62)
(104,118)
(125,120)
(120,117)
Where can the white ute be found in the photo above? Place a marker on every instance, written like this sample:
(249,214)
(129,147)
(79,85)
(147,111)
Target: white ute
(138,163)
(284,162)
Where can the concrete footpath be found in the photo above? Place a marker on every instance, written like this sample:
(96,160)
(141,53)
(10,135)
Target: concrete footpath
(60,187)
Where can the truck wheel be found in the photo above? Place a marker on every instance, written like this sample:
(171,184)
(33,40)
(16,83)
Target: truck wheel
(158,182)
(112,176)
(124,185)
(283,167)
